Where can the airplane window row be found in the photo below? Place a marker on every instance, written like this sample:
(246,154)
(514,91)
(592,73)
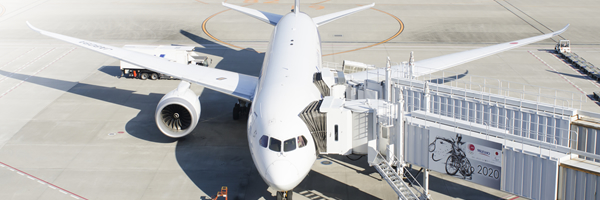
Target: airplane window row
(288,145)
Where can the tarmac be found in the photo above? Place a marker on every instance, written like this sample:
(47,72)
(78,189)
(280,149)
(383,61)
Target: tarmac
(70,128)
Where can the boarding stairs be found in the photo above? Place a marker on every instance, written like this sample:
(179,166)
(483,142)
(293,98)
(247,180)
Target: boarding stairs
(396,181)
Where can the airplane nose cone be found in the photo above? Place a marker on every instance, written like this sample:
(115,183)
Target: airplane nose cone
(282,175)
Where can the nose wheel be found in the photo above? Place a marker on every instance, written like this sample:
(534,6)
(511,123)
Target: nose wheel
(285,195)
(241,108)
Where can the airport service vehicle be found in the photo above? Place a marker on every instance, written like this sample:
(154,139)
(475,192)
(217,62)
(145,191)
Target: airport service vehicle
(281,144)
(563,46)
(179,54)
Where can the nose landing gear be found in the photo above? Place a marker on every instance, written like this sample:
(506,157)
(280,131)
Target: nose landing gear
(241,109)
(285,195)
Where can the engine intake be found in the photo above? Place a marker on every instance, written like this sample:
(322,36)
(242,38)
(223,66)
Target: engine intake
(178,112)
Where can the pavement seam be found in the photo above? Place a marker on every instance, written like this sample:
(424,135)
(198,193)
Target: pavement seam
(27,64)
(592,81)
(17,58)
(38,71)
(41,181)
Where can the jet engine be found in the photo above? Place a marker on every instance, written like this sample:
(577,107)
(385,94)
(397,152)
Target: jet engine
(178,112)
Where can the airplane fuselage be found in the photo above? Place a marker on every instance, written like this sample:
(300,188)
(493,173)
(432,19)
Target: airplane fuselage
(276,133)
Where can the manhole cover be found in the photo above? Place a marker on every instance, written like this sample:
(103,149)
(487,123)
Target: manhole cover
(326,162)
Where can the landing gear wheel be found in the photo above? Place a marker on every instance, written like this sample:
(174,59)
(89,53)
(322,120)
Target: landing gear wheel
(236,111)
(144,76)
(287,195)
(154,76)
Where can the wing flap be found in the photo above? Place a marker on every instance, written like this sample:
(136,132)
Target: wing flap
(231,83)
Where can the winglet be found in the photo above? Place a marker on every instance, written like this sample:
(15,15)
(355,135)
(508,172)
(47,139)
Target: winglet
(269,18)
(561,30)
(33,28)
(321,20)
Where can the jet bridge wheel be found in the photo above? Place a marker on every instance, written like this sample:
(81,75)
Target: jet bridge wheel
(287,195)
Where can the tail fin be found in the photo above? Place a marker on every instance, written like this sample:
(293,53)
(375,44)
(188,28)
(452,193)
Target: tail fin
(269,18)
(321,20)
(297,7)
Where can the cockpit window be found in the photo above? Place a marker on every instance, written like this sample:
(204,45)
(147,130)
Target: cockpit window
(275,145)
(301,141)
(289,145)
(264,141)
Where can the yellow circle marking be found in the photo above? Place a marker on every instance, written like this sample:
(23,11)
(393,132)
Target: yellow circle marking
(3,10)
(384,41)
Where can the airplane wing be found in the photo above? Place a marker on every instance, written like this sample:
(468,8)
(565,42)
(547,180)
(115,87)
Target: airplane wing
(322,20)
(231,83)
(269,18)
(432,65)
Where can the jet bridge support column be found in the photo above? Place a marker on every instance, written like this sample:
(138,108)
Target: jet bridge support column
(400,130)
(427,97)
(426,182)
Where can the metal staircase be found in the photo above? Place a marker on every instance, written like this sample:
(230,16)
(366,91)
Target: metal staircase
(397,182)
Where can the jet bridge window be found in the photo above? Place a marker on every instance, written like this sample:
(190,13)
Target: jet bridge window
(275,145)
(264,141)
(289,145)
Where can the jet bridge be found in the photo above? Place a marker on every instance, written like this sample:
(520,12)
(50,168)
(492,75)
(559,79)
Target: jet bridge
(518,141)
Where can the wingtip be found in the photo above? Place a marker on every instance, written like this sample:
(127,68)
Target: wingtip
(561,30)
(32,27)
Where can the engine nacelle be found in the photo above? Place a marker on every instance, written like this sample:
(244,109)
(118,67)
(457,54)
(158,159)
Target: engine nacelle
(178,112)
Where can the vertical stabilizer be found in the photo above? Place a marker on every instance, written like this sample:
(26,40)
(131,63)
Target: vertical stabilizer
(296,6)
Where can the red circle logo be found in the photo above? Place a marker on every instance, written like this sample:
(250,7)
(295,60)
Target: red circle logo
(496,153)
(471,147)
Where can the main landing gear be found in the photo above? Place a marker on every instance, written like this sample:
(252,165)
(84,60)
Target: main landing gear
(241,108)
(286,195)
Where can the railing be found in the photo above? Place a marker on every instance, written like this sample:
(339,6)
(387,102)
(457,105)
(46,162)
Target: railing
(417,187)
(482,84)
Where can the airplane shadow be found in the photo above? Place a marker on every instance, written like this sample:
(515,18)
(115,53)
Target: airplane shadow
(570,75)
(448,78)
(114,71)
(142,126)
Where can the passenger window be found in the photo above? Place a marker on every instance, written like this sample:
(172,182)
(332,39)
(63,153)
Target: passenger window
(275,145)
(263,141)
(289,145)
(301,141)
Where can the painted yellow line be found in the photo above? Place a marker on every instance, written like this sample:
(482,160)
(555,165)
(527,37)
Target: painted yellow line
(3,10)
(384,41)
(216,39)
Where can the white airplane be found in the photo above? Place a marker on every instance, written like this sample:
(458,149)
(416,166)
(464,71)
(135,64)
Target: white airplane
(281,144)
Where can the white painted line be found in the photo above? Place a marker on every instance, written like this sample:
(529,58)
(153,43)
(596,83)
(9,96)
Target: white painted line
(52,187)
(11,169)
(29,177)
(592,81)
(41,182)
(18,172)
(62,191)
(565,78)
(38,71)
(75,197)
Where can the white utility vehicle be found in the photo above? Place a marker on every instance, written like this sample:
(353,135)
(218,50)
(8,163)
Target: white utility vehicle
(178,54)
